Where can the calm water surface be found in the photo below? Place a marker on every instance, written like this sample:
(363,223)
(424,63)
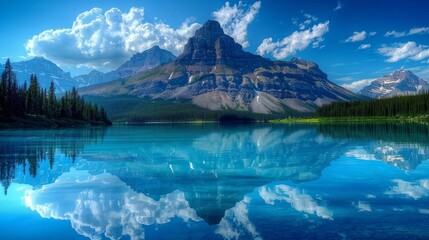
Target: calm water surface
(211,181)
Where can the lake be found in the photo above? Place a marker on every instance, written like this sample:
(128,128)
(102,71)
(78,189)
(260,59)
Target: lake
(212,181)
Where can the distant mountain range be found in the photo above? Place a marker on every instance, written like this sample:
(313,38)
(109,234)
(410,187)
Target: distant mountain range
(48,71)
(215,73)
(402,82)
(138,63)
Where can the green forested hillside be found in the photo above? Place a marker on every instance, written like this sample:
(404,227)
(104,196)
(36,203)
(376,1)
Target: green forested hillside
(407,106)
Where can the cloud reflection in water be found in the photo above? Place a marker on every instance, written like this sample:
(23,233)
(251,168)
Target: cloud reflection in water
(103,204)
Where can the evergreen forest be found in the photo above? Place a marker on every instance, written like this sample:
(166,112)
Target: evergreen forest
(21,102)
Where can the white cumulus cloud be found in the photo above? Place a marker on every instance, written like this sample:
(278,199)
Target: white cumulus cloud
(235,20)
(412,31)
(357,37)
(100,38)
(409,50)
(297,41)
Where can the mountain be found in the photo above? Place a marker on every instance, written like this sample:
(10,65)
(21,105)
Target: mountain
(93,77)
(402,82)
(146,60)
(139,62)
(46,72)
(215,73)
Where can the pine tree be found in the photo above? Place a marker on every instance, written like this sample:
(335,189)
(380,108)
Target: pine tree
(9,89)
(52,101)
(2,94)
(87,112)
(33,103)
(95,113)
(103,117)
(44,98)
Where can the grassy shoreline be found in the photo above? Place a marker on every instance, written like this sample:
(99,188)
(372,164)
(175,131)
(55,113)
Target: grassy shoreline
(321,120)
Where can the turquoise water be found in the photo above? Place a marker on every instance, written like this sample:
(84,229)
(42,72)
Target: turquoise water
(211,181)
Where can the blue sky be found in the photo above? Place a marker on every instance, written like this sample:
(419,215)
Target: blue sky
(353,41)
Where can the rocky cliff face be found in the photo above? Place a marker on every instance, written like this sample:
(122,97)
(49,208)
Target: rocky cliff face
(215,73)
(402,82)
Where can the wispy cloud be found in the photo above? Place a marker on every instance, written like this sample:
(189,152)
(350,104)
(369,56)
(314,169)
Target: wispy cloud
(305,21)
(412,31)
(107,39)
(295,42)
(339,6)
(344,79)
(235,19)
(364,46)
(356,86)
(357,37)
(409,50)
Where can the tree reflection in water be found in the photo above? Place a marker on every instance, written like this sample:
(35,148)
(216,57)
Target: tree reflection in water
(28,148)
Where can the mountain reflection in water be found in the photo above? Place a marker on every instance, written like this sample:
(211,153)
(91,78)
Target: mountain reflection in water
(123,181)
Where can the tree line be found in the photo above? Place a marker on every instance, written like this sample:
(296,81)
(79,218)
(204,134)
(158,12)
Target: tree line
(411,105)
(21,101)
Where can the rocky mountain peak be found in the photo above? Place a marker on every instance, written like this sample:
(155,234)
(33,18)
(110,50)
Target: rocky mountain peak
(210,46)
(401,82)
(402,74)
(211,29)
(148,59)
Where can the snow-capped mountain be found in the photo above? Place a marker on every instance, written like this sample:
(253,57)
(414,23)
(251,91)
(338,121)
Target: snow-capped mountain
(46,72)
(402,82)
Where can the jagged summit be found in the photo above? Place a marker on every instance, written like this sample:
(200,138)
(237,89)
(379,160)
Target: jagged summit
(401,74)
(211,29)
(211,46)
(401,82)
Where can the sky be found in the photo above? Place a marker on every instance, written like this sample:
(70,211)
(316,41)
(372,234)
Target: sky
(353,41)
